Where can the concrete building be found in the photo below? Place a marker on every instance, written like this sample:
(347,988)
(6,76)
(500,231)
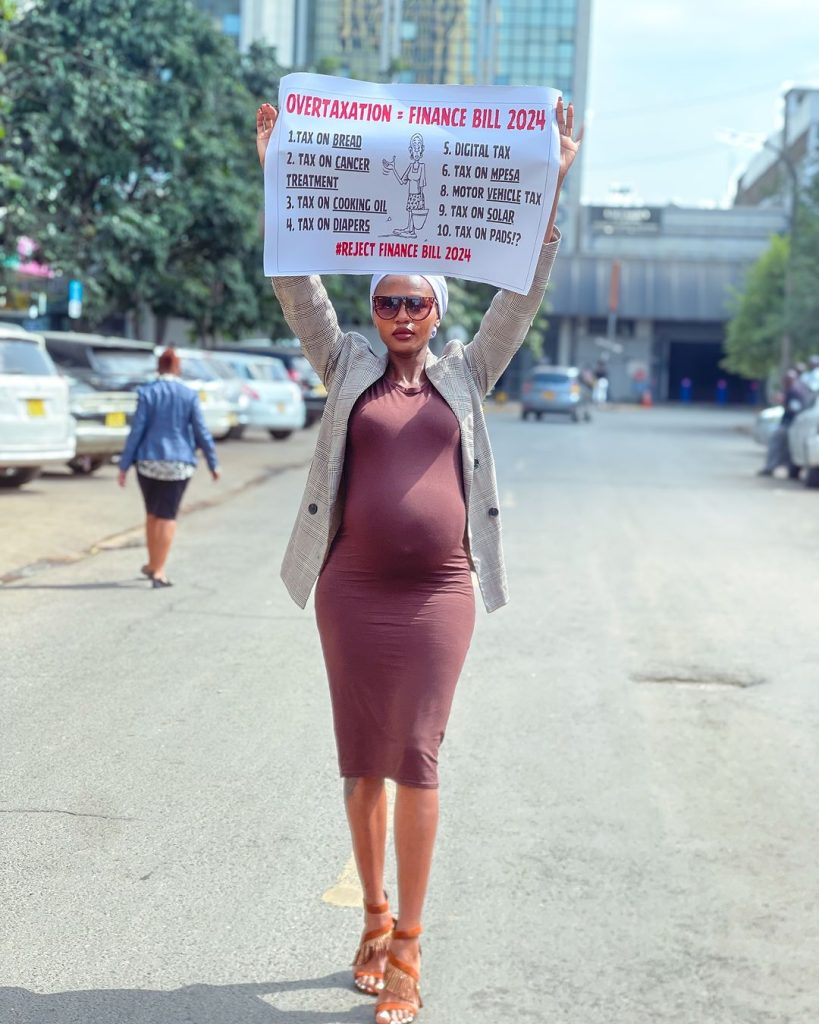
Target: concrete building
(649,293)
(272,22)
(767,179)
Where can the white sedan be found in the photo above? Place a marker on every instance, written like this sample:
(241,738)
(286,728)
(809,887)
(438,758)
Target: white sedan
(36,427)
(276,402)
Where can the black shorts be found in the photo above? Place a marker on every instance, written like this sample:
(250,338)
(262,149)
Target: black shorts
(162,497)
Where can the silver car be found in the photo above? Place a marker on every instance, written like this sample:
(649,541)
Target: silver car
(555,389)
(103,421)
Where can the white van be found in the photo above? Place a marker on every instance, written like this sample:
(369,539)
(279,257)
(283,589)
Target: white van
(36,428)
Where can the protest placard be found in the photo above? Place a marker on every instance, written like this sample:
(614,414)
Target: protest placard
(455,180)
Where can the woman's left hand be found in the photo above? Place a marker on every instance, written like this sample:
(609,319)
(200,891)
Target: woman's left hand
(568,145)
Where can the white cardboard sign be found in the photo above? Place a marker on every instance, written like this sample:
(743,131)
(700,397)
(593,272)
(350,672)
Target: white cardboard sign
(363,178)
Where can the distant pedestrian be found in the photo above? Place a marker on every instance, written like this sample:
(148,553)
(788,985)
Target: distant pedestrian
(401,506)
(167,428)
(601,383)
(793,402)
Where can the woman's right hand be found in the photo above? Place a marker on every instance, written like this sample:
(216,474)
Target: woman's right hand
(266,117)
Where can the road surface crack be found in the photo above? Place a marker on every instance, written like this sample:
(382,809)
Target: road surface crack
(60,810)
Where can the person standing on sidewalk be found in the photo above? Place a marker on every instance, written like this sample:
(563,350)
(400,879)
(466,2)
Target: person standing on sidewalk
(401,506)
(167,428)
(793,402)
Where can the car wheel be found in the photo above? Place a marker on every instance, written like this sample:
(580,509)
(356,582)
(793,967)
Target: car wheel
(538,416)
(236,433)
(812,476)
(85,465)
(587,417)
(794,471)
(16,477)
(280,435)
(524,414)
(575,415)
(221,437)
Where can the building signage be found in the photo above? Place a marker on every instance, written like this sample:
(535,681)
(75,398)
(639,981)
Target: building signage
(625,220)
(452,180)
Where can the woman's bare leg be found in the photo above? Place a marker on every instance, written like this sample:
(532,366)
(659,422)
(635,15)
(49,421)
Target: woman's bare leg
(150,540)
(416,823)
(366,802)
(164,532)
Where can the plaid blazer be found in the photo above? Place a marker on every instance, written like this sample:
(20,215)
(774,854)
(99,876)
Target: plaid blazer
(463,375)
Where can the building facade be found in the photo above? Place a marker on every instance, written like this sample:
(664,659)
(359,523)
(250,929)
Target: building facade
(767,180)
(272,22)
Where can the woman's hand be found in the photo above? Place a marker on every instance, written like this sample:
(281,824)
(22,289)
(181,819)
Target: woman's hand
(266,117)
(121,478)
(568,145)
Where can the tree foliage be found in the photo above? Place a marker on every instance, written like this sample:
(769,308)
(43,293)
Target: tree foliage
(129,158)
(761,312)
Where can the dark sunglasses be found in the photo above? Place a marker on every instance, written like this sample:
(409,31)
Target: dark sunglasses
(418,307)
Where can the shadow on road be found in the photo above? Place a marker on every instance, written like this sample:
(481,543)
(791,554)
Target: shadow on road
(202,1004)
(139,584)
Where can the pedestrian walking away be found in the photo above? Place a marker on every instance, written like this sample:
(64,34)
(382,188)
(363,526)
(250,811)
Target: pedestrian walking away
(401,506)
(167,428)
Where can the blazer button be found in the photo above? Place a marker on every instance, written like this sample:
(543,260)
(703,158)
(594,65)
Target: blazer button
(312,509)
(493,511)
(477,463)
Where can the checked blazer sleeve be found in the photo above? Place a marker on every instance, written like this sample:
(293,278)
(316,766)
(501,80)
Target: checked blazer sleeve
(506,323)
(310,314)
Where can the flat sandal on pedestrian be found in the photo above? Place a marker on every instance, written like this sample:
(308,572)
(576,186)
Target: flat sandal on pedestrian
(373,943)
(403,981)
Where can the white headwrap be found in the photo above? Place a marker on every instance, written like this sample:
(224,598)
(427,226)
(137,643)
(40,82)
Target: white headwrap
(436,282)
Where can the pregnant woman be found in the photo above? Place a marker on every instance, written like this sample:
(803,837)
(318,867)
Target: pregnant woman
(400,508)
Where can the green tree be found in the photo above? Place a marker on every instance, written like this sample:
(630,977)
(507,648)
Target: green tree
(761,312)
(131,162)
(754,337)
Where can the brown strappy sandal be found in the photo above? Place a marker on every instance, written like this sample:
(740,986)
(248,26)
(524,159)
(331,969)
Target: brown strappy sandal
(403,981)
(374,943)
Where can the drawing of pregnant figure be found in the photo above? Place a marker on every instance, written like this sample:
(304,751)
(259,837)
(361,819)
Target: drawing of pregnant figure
(415,178)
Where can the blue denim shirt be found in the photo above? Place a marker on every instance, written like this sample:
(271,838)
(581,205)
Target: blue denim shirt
(168,425)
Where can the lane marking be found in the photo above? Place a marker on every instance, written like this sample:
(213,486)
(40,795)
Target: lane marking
(346,892)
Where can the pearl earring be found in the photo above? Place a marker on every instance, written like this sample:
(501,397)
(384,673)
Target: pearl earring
(433,332)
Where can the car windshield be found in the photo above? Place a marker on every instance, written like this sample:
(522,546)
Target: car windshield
(542,379)
(24,357)
(194,368)
(268,369)
(225,371)
(124,362)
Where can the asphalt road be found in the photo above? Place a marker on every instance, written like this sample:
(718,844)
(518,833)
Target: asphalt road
(629,829)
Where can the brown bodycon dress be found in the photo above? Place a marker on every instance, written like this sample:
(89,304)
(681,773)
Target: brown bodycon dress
(394,602)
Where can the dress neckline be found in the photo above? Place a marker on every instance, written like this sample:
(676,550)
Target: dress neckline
(407,390)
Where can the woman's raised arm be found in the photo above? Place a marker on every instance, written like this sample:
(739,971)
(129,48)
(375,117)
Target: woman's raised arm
(303,299)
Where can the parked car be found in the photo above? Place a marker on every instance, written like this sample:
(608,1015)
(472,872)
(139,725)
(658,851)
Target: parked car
(106,363)
(103,420)
(276,402)
(36,427)
(298,369)
(555,389)
(200,376)
(803,441)
(766,423)
(235,391)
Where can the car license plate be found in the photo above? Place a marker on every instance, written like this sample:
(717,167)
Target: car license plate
(281,406)
(35,406)
(549,395)
(233,419)
(203,396)
(115,419)
(319,391)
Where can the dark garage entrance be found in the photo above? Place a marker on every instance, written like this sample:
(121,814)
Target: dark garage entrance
(691,359)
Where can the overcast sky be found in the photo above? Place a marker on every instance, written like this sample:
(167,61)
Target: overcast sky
(666,77)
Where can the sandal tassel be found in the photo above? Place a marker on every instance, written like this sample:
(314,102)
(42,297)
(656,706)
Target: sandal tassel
(373,945)
(401,984)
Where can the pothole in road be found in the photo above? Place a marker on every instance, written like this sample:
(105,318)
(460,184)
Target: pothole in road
(701,678)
